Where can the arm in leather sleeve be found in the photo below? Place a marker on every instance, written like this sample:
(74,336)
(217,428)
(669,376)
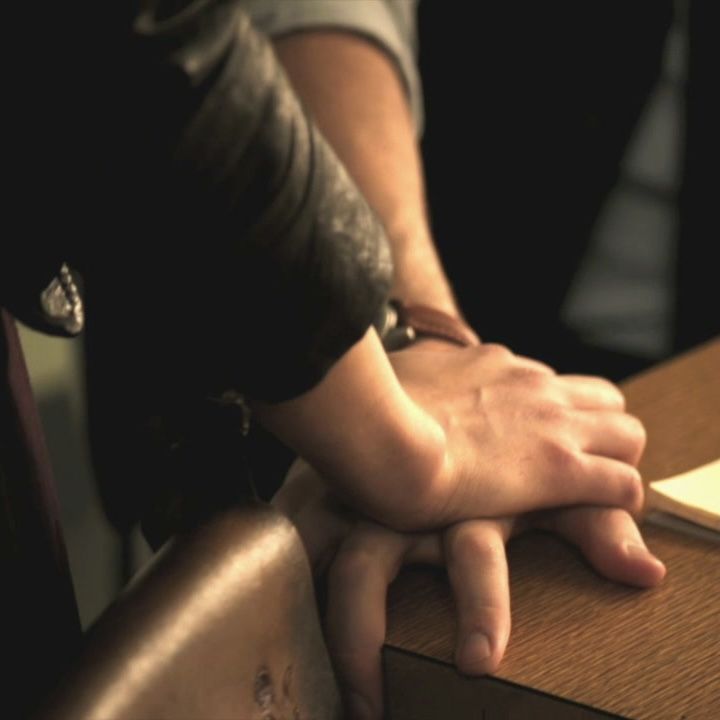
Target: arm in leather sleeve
(291,264)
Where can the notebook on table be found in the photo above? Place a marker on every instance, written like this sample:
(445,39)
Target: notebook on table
(689,501)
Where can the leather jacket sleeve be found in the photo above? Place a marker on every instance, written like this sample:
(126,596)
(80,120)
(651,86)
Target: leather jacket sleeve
(237,224)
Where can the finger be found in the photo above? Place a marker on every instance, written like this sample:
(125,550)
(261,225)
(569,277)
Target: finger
(358,580)
(587,392)
(612,434)
(575,477)
(610,540)
(603,481)
(319,518)
(478,573)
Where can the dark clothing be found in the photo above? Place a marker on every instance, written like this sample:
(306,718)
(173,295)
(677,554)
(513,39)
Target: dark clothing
(220,242)
(542,117)
(162,154)
(210,206)
(267,263)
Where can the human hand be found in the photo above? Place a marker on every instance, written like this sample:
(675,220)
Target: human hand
(362,558)
(518,436)
(424,438)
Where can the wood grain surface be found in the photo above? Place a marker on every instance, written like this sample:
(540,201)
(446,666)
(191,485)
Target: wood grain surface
(644,654)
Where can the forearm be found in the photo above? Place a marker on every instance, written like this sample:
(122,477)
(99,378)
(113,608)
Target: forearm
(354,92)
(362,431)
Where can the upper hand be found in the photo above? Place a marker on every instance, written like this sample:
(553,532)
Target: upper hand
(424,437)
(520,437)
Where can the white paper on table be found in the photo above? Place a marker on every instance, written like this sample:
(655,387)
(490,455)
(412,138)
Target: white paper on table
(692,495)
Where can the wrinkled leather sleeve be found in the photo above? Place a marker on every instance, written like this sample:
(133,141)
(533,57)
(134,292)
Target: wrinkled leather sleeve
(253,238)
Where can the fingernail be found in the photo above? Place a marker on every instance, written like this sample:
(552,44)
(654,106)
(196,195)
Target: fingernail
(475,651)
(359,707)
(635,550)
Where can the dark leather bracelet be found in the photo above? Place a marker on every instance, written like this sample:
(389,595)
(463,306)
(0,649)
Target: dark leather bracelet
(401,325)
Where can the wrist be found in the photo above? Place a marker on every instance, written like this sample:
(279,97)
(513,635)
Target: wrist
(365,435)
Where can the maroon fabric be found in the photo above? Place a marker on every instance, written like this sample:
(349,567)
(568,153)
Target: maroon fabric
(40,625)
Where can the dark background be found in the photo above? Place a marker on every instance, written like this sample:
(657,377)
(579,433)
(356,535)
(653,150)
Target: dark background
(529,110)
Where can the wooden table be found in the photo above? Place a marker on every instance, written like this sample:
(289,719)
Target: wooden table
(582,646)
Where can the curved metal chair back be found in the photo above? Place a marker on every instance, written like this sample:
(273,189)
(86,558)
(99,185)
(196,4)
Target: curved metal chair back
(223,624)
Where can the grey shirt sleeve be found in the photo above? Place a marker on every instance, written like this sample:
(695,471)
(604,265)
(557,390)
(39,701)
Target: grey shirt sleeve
(389,24)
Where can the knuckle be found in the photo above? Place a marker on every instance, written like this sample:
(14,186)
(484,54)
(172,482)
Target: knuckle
(545,369)
(496,351)
(608,387)
(470,543)
(637,432)
(614,392)
(536,366)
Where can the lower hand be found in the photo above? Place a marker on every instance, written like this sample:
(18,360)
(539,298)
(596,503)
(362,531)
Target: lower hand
(362,558)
